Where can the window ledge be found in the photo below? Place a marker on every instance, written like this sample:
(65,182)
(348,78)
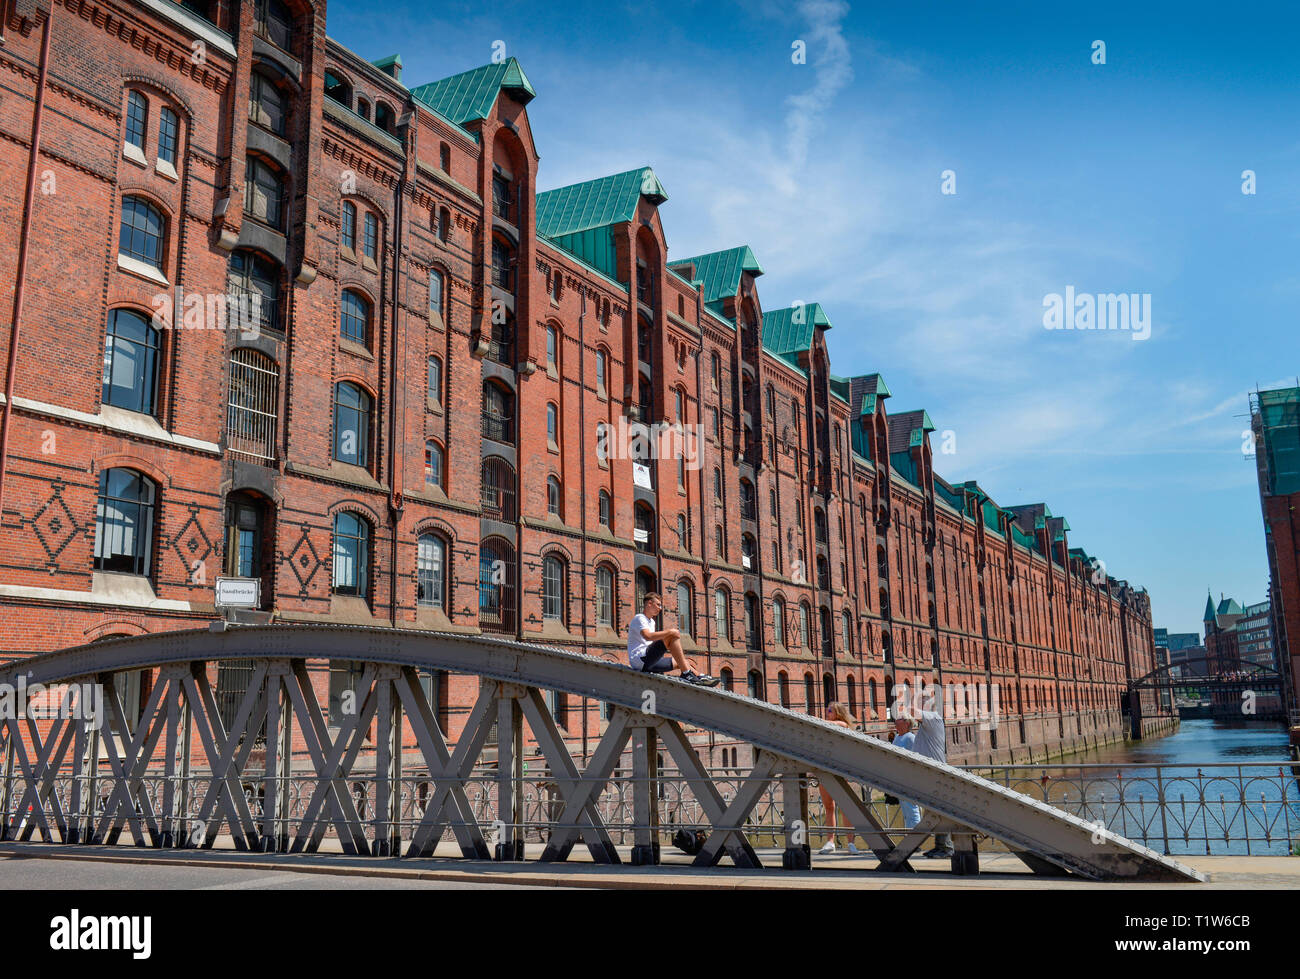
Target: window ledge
(552,447)
(347,253)
(368,263)
(432,405)
(354,348)
(117,419)
(134,154)
(166,170)
(134,266)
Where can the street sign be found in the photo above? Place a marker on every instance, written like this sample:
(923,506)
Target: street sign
(239,592)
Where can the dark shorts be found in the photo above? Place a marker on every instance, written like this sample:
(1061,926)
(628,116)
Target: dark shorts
(656,658)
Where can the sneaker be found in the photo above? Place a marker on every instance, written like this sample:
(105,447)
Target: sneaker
(700,679)
(853,848)
(827,847)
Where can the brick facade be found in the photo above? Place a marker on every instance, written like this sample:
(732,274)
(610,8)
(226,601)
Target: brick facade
(900,575)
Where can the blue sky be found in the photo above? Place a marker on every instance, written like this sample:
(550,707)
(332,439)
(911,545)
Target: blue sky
(1122,177)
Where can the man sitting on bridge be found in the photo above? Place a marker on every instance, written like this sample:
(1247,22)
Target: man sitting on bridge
(658,651)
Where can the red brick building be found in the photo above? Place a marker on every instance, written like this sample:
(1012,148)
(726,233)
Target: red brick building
(421,424)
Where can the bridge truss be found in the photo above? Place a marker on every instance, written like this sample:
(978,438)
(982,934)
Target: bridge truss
(181,776)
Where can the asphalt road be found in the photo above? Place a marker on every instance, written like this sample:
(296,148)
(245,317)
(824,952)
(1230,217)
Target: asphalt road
(40,874)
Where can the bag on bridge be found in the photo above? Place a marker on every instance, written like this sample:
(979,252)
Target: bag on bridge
(690,842)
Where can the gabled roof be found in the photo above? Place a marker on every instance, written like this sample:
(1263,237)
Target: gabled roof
(1229,606)
(863,392)
(596,203)
(791,329)
(471,94)
(721,271)
(908,429)
(1209,609)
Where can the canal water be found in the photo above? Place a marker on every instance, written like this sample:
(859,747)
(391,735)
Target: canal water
(1211,788)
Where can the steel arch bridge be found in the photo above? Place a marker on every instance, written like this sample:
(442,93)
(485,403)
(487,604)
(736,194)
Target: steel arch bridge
(55,784)
(1248,676)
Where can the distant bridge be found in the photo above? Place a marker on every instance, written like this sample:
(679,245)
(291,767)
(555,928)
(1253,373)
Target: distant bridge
(73,783)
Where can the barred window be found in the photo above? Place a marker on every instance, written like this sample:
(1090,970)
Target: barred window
(137,118)
(251,407)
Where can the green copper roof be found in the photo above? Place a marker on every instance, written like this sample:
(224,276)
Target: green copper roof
(721,271)
(596,203)
(1209,609)
(580,218)
(471,94)
(790,330)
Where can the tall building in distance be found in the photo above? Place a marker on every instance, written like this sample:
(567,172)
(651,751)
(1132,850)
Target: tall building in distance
(1275,423)
(288,321)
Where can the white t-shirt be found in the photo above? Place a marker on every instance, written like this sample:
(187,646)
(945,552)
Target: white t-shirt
(636,643)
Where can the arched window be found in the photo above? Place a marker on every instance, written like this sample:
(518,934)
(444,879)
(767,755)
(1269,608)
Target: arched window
(142,232)
(431,571)
(553,576)
(137,119)
(354,317)
(498,413)
(351,424)
(124,518)
(272,21)
(433,465)
(554,498)
(386,118)
(747,507)
(496,607)
(828,689)
(803,625)
(783,689)
(755,685)
(552,347)
(725,679)
(498,489)
(434,368)
(605,596)
(871,696)
(605,506)
(363,108)
(778,620)
(809,693)
(435,294)
(819,525)
(846,622)
(643,531)
(852,687)
(370,236)
(715,371)
(263,193)
(770,397)
(503,264)
(753,622)
(722,614)
(827,633)
(602,368)
(685,608)
(718,543)
(682,540)
(717,483)
(131,347)
(348,230)
(747,552)
(168,134)
(338,89)
(552,424)
(351,554)
(255,280)
(444,224)
(267,103)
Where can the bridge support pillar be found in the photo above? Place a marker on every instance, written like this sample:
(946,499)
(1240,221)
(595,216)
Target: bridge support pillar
(645,804)
(510,773)
(7,787)
(794,808)
(388,766)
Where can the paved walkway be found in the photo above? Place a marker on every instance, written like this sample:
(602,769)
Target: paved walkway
(834,872)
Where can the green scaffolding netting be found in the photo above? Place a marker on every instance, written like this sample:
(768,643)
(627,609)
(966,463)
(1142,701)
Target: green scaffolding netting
(1280,423)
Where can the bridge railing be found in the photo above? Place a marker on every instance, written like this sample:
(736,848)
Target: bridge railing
(1246,808)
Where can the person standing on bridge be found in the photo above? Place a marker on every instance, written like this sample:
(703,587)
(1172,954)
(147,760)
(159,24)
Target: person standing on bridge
(659,651)
(930,740)
(838,715)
